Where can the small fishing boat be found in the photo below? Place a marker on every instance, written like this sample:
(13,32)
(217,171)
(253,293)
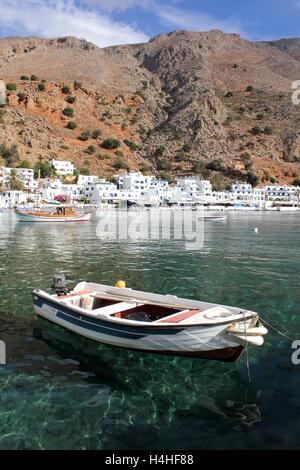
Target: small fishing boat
(59,214)
(154,323)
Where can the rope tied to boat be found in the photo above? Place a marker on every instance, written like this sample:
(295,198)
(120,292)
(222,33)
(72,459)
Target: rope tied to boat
(275,329)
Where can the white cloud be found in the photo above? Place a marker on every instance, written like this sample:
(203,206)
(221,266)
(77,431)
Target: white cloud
(52,18)
(197,21)
(121,5)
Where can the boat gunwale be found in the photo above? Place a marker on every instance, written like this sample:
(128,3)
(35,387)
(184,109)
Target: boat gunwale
(247,315)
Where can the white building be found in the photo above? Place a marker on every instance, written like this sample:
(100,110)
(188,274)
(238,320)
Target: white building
(281,193)
(83,180)
(25,175)
(135,181)
(63,168)
(194,188)
(96,192)
(12,198)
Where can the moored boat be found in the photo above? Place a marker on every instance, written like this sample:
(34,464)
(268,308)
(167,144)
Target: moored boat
(60,214)
(148,322)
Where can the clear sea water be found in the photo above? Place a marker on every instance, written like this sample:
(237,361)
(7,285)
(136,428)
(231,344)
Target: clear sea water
(59,391)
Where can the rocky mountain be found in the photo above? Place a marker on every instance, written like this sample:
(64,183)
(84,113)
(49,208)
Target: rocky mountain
(207,103)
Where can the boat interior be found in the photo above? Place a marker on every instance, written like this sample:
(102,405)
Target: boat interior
(101,304)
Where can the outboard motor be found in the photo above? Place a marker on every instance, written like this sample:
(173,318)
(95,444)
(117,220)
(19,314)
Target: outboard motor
(59,285)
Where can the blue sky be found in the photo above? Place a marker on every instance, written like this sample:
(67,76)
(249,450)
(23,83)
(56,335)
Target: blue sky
(109,22)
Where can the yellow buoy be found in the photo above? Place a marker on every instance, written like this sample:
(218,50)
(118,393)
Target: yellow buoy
(120,284)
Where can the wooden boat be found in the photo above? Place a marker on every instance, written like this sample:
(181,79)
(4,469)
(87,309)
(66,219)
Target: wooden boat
(60,214)
(153,323)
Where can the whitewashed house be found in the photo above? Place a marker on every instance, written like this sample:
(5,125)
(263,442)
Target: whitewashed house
(63,168)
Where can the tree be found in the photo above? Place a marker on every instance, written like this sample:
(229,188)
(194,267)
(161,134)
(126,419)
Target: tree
(253,178)
(111,143)
(296,182)
(249,88)
(34,78)
(41,87)
(24,77)
(43,169)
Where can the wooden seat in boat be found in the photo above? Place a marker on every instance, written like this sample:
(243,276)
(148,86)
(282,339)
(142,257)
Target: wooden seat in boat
(179,317)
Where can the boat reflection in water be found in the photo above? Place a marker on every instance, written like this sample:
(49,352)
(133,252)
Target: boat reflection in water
(163,388)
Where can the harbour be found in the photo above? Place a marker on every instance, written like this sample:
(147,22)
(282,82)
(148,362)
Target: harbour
(102,397)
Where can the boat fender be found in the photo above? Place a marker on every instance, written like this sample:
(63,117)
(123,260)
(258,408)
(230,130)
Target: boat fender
(120,284)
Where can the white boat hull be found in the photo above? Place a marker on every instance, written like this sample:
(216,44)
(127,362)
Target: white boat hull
(23,217)
(210,338)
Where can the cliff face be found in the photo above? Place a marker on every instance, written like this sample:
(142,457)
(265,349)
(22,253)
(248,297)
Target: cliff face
(176,104)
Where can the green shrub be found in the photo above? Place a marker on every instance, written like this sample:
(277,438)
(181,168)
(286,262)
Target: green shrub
(34,78)
(68,111)
(71,99)
(296,182)
(91,149)
(255,130)
(77,85)
(11,86)
(268,130)
(249,88)
(120,164)
(111,143)
(132,145)
(84,136)
(187,148)
(229,94)
(10,154)
(41,87)
(71,125)
(164,164)
(24,77)
(22,96)
(215,165)
(66,90)
(160,150)
(96,133)
(245,156)
(25,164)
(83,171)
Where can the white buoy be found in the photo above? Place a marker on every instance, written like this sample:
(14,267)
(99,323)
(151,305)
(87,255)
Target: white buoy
(256,230)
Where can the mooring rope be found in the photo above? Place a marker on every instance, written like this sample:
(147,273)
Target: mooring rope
(275,329)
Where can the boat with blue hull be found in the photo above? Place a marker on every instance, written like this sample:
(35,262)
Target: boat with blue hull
(154,323)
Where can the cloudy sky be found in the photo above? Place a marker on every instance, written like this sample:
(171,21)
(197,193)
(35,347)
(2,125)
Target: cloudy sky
(109,22)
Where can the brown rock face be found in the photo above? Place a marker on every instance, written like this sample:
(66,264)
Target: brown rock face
(175,105)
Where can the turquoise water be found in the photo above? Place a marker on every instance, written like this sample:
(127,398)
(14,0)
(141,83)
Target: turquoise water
(59,391)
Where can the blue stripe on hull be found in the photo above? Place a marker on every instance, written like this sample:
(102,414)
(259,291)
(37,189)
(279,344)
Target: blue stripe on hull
(100,326)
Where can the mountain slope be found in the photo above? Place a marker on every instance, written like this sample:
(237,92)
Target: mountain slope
(179,102)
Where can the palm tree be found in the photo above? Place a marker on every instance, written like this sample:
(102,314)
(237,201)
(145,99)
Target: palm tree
(14,183)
